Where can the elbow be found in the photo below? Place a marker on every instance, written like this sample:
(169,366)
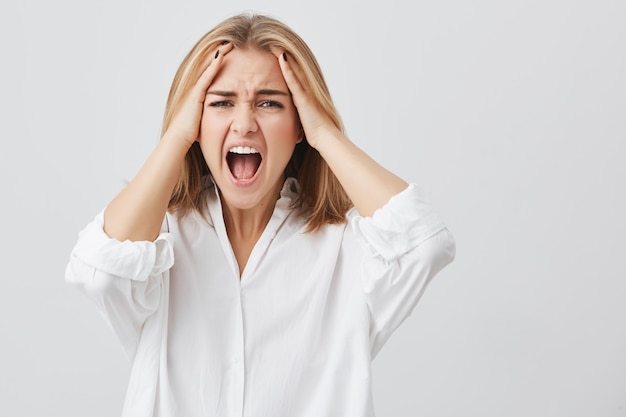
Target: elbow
(439,250)
(87,279)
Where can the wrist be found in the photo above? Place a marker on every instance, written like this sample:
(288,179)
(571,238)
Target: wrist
(177,141)
(327,140)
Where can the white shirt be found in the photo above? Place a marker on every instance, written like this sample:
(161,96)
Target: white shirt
(294,337)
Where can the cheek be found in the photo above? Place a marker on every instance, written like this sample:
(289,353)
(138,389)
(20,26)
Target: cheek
(208,124)
(284,142)
(211,131)
(210,137)
(286,129)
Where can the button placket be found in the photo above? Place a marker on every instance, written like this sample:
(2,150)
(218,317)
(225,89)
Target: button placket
(237,360)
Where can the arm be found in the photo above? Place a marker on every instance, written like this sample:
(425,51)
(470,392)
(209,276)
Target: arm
(368,184)
(127,281)
(406,244)
(137,212)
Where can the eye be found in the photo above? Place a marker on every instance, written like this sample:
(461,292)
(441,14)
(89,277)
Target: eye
(267,104)
(222,103)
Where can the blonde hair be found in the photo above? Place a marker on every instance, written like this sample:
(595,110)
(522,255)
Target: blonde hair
(320,193)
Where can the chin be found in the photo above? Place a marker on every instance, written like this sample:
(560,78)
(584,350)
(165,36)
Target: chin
(246,198)
(241,200)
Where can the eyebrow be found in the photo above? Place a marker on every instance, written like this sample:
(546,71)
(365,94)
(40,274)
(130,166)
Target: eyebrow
(262,92)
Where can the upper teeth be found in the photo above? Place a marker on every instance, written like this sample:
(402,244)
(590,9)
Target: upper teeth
(243,150)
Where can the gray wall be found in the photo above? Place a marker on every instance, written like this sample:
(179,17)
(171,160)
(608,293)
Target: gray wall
(512,116)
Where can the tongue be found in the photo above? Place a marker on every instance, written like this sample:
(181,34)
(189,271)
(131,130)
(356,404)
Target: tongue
(243,167)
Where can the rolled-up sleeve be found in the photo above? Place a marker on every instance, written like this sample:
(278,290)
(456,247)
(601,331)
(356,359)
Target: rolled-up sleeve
(406,245)
(124,279)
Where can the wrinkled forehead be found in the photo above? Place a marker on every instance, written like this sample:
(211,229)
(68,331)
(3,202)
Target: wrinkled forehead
(249,69)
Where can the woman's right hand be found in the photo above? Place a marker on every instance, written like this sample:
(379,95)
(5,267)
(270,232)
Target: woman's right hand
(185,123)
(136,213)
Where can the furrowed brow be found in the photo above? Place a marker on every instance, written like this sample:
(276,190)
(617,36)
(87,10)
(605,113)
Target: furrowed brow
(222,93)
(270,92)
(261,92)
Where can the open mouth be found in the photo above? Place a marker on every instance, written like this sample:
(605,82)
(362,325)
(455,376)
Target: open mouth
(243,162)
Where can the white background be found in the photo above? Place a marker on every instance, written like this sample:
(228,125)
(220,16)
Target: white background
(511,114)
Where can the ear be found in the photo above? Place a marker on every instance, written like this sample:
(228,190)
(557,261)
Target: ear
(300,135)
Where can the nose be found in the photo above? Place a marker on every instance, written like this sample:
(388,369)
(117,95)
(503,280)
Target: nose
(244,121)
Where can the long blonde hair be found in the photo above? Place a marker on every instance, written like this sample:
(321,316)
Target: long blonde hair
(320,194)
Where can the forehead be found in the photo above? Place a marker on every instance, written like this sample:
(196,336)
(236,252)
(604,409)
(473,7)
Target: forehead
(249,68)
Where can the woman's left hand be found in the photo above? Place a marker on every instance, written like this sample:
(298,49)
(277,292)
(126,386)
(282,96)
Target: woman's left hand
(315,122)
(368,184)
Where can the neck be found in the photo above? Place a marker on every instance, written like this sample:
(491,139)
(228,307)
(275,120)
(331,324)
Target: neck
(246,223)
(249,223)
(245,226)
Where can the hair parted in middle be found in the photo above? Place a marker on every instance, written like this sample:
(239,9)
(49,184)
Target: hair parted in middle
(320,193)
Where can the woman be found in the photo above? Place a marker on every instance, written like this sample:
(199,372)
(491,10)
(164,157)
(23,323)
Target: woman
(259,260)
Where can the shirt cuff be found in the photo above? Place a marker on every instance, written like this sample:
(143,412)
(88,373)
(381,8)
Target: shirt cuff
(399,226)
(132,260)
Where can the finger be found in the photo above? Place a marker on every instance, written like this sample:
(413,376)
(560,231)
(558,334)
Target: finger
(295,68)
(291,73)
(212,67)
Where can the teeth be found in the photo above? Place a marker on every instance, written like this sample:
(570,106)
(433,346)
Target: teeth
(243,150)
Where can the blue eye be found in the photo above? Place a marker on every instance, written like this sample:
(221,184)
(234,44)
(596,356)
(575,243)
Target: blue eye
(270,104)
(220,104)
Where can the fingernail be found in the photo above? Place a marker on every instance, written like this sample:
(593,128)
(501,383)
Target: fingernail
(285,56)
(217,54)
